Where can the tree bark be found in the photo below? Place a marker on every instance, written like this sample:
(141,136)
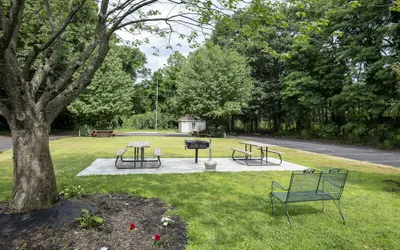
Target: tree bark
(34,179)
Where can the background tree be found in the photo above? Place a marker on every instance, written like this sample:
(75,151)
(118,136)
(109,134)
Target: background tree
(214,84)
(108,98)
(145,91)
(323,68)
(264,43)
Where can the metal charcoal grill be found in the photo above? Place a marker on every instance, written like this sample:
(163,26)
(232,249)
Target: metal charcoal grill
(196,145)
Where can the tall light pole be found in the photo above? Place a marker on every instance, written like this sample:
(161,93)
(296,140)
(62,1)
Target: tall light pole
(156,102)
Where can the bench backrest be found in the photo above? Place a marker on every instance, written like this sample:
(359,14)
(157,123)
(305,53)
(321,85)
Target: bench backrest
(332,182)
(306,184)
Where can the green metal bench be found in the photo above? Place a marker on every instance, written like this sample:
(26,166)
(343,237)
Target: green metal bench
(310,185)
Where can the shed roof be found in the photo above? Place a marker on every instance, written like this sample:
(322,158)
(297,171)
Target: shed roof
(187,118)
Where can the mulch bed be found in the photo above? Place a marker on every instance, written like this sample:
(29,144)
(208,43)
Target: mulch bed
(118,211)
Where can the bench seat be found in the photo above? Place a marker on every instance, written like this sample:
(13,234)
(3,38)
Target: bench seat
(301,196)
(276,152)
(242,151)
(157,152)
(121,152)
(246,153)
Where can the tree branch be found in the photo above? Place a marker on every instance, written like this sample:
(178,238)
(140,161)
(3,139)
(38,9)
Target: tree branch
(119,7)
(12,24)
(47,64)
(66,77)
(2,18)
(134,8)
(165,19)
(64,98)
(62,83)
(50,16)
(43,71)
(37,50)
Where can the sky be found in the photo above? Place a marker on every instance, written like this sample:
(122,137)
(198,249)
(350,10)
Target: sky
(155,62)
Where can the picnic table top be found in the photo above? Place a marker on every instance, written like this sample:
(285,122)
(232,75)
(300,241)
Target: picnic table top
(256,144)
(138,144)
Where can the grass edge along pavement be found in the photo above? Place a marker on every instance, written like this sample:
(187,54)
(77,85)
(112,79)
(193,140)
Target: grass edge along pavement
(232,210)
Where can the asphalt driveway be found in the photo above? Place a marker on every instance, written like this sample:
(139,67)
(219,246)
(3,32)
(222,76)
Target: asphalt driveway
(6,141)
(385,157)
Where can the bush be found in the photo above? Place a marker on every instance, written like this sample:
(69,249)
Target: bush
(83,129)
(148,121)
(71,191)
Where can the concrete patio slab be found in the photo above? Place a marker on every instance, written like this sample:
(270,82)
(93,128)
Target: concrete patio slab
(185,165)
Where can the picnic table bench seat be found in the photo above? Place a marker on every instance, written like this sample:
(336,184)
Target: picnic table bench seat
(119,155)
(276,152)
(157,153)
(121,152)
(310,185)
(246,154)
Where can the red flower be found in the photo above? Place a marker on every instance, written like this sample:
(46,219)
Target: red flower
(132,226)
(157,237)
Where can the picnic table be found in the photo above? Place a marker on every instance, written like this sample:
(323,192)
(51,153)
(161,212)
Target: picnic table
(138,153)
(138,146)
(248,152)
(101,133)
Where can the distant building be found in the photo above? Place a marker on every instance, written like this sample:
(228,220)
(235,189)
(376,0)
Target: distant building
(188,124)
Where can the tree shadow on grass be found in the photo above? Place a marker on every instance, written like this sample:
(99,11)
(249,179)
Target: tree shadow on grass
(370,182)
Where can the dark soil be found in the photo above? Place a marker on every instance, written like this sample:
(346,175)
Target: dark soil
(118,211)
(395,187)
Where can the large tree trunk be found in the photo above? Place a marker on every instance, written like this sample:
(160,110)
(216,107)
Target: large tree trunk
(34,179)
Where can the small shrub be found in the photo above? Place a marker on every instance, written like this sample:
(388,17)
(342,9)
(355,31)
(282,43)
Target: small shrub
(83,130)
(147,121)
(88,220)
(72,191)
(305,134)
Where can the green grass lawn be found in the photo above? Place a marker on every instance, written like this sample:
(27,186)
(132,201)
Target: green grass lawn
(232,210)
(123,130)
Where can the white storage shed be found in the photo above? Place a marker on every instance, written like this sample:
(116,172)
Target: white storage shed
(188,124)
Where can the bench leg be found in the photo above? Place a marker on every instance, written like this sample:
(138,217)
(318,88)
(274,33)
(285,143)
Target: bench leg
(159,161)
(322,205)
(271,197)
(287,213)
(340,211)
(246,157)
(233,155)
(250,151)
(141,157)
(280,158)
(262,156)
(116,160)
(134,158)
